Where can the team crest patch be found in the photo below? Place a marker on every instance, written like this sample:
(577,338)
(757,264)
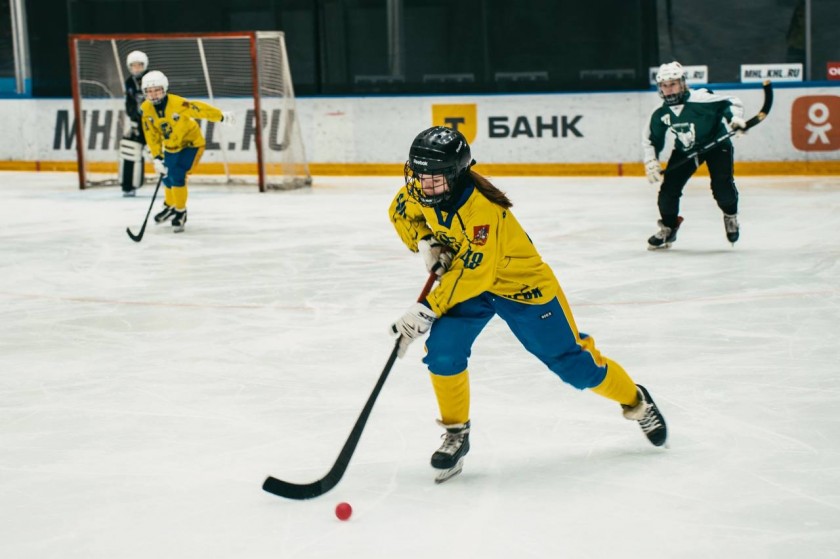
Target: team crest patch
(480,234)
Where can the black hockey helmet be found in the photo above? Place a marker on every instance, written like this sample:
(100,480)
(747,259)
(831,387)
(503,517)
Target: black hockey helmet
(438,150)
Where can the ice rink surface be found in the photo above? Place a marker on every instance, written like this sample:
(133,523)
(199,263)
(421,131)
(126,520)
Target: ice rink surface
(147,389)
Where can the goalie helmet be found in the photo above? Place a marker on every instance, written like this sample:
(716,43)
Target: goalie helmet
(137,56)
(155,78)
(670,72)
(438,150)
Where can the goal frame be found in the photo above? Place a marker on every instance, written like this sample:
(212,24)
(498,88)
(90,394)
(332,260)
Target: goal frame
(251,36)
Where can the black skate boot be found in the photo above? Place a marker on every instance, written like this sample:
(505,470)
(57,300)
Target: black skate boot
(648,416)
(165,214)
(733,230)
(450,456)
(179,220)
(665,236)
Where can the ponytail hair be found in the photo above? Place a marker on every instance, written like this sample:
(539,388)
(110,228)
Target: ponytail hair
(490,192)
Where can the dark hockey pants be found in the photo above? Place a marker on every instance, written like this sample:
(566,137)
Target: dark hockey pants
(720,162)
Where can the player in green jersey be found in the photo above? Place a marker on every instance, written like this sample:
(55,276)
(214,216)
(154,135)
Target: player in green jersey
(694,117)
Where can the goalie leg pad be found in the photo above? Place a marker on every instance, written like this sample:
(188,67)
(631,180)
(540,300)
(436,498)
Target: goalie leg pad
(131,164)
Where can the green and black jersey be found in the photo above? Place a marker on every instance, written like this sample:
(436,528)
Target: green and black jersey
(701,119)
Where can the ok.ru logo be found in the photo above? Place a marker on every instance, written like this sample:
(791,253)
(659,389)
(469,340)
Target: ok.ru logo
(815,123)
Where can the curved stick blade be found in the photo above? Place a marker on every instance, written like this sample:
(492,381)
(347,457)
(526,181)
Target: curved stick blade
(135,238)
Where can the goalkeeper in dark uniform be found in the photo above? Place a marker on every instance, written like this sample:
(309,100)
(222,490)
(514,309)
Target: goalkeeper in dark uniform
(133,140)
(694,117)
(464,228)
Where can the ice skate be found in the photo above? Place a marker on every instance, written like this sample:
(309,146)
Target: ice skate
(730,222)
(449,458)
(129,193)
(665,237)
(165,214)
(648,416)
(179,220)
(448,474)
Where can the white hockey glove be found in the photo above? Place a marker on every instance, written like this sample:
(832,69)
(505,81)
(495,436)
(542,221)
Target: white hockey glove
(738,124)
(160,168)
(654,171)
(434,254)
(414,323)
(228,119)
(133,131)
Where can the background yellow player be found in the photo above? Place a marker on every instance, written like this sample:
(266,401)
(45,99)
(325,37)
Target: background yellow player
(466,232)
(175,141)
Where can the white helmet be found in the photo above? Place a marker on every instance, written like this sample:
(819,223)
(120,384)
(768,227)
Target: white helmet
(152,79)
(670,72)
(137,56)
(155,78)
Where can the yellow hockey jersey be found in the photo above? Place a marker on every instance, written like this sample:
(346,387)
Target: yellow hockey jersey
(491,250)
(171,127)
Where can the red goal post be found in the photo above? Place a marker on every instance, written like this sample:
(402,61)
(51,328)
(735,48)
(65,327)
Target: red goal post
(245,71)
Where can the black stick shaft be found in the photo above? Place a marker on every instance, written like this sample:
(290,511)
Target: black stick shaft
(139,236)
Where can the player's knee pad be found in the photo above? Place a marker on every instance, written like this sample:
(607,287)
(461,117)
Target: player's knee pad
(443,362)
(724,191)
(176,175)
(131,163)
(577,368)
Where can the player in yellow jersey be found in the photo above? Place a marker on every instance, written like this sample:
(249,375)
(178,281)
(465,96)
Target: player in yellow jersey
(175,141)
(463,227)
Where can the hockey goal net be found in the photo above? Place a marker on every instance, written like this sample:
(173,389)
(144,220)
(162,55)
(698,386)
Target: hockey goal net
(246,72)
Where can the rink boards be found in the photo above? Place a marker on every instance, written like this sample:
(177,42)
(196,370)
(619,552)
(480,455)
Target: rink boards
(543,134)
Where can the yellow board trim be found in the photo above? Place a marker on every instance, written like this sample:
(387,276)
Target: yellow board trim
(743,168)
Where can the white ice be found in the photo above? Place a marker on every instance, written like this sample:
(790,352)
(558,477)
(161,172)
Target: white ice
(146,390)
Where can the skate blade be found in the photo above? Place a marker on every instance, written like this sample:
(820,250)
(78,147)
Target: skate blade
(660,247)
(446,475)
